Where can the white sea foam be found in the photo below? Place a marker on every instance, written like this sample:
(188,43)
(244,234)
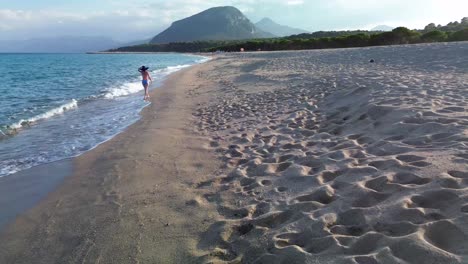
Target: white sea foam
(111,93)
(172,69)
(204,59)
(53,112)
(135,87)
(123,90)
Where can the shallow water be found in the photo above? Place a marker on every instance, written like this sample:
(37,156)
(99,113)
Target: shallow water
(55,106)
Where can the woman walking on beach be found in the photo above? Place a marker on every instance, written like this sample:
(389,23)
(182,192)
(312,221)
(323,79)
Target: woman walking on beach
(146,76)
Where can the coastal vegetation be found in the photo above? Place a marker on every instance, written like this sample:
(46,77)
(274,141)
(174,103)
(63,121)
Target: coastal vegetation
(450,27)
(318,40)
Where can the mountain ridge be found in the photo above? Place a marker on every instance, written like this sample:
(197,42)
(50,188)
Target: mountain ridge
(268,25)
(217,23)
(382,28)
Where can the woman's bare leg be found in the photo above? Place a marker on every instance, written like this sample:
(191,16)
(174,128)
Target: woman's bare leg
(146,93)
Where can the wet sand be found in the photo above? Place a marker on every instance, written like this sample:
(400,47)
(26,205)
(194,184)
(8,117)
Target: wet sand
(24,189)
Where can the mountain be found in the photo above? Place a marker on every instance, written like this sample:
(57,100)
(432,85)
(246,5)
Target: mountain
(135,43)
(382,28)
(271,26)
(218,23)
(65,44)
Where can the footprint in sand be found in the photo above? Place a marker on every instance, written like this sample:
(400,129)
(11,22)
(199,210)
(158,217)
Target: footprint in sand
(328,176)
(281,189)
(311,245)
(365,260)
(273,219)
(440,199)
(464,208)
(370,199)
(452,183)
(447,236)
(266,182)
(325,195)
(398,229)
(410,158)
(458,174)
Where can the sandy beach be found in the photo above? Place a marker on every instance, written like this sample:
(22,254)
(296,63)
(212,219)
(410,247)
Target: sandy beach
(274,157)
(129,200)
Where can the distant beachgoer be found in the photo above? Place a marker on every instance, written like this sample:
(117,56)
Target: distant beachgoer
(146,77)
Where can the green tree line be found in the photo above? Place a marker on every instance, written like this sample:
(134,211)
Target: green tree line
(452,26)
(454,31)
(400,35)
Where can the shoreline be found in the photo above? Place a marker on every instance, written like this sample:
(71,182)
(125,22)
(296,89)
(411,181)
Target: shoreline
(136,52)
(82,118)
(99,194)
(124,100)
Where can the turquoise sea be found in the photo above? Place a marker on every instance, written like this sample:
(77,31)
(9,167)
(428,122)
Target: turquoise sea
(56,106)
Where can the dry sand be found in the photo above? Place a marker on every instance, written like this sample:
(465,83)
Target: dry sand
(337,160)
(281,157)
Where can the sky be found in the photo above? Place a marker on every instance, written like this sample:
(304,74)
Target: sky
(128,20)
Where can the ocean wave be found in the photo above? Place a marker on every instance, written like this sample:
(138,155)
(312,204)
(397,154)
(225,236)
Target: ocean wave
(123,90)
(135,87)
(110,93)
(53,112)
(172,69)
(203,60)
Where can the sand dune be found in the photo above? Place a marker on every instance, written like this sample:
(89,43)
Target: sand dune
(332,159)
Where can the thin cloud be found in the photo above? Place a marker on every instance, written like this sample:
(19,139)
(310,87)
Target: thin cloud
(123,19)
(124,25)
(294,2)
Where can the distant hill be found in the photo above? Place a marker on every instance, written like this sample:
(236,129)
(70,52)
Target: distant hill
(382,28)
(136,42)
(66,44)
(218,23)
(268,25)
